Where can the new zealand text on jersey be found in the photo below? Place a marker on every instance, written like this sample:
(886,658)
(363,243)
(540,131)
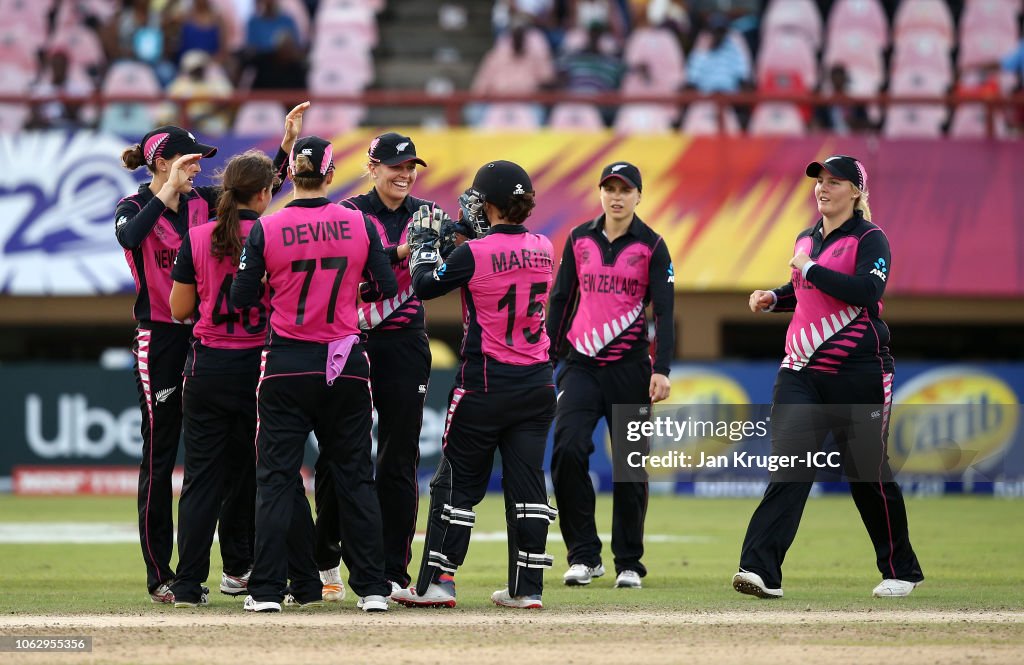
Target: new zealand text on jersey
(524,258)
(165,257)
(303,234)
(604,283)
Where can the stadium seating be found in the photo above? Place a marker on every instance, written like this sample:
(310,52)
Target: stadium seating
(701,119)
(969,122)
(914,15)
(777,119)
(644,119)
(573,116)
(658,50)
(788,53)
(259,118)
(795,17)
(509,117)
(865,16)
(332,119)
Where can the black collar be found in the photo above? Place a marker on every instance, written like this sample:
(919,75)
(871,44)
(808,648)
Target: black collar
(317,202)
(379,207)
(635,226)
(844,228)
(146,194)
(509,229)
(248,214)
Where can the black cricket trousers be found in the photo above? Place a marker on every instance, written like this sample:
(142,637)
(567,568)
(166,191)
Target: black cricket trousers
(220,477)
(855,410)
(292,403)
(399,373)
(586,394)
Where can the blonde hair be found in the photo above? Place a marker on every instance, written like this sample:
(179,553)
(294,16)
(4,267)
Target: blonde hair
(304,165)
(862,202)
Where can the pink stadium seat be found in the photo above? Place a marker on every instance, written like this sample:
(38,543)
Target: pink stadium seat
(13,79)
(355,19)
(785,53)
(924,50)
(127,77)
(328,79)
(573,116)
(644,119)
(17,50)
(235,38)
(659,50)
(969,122)
(777,119)
(81,44)
(799,17)
(867,16)
(28,16)
(297,10)
(989,14)
(985,46)
(701,119)
(327,51)
(329,120)
(858,50)
(930,14)
(914,121)
(509,117)
(332,38)
(913,82)
(13,117)
(259,119)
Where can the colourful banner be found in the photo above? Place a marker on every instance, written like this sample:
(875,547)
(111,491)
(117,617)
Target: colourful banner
(729,208)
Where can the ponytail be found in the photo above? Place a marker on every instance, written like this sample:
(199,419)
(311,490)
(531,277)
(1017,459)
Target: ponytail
(244,177)
(133,158)
(862,204)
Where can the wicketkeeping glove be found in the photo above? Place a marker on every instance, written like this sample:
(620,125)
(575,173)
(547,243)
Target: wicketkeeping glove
(471,212)
(424,237)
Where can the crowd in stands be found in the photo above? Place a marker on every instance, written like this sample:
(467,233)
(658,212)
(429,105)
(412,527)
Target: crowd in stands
(181,49)
(853,49)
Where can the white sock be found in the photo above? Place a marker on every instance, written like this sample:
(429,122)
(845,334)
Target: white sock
(330,576)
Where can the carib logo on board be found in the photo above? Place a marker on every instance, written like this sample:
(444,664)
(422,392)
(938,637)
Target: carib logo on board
(948,420)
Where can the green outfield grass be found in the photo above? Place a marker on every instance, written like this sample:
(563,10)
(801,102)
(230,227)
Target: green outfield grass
(972,551)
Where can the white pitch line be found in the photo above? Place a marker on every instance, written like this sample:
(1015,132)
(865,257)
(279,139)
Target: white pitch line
(103,533)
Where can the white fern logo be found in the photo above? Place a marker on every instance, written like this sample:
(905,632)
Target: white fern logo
(618,167)
(402,146)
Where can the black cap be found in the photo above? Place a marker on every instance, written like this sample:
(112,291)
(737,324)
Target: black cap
(393,149)
(625,172)
(168,141)
(499,181)
(842,166)
(320,153)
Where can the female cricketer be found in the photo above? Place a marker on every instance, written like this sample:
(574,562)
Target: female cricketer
(836,378)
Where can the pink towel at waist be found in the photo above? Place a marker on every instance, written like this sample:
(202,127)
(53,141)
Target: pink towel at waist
(337,356)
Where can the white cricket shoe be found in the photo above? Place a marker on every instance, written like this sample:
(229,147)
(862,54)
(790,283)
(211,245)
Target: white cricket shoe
(894,589)
(334,589)
(580,574)
(373,603)
(502,598)
(253,605)
(628,579)
(438,594)
(752,585)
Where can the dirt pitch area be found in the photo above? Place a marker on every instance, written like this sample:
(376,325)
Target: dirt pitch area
(345,635)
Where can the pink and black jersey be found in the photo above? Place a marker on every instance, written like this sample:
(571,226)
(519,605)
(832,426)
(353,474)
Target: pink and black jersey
(404,311)
(837,301)
(151,234)
(505,278)
(221,330)
(315,254)
(598,303)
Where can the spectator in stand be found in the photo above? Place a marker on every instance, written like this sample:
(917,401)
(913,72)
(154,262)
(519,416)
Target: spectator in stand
(197,79)
(198,26)
(267,27)
(55,79)
(841,118)
(283,68)
(721,67)
(137,33)
(592,71)
(519,63)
